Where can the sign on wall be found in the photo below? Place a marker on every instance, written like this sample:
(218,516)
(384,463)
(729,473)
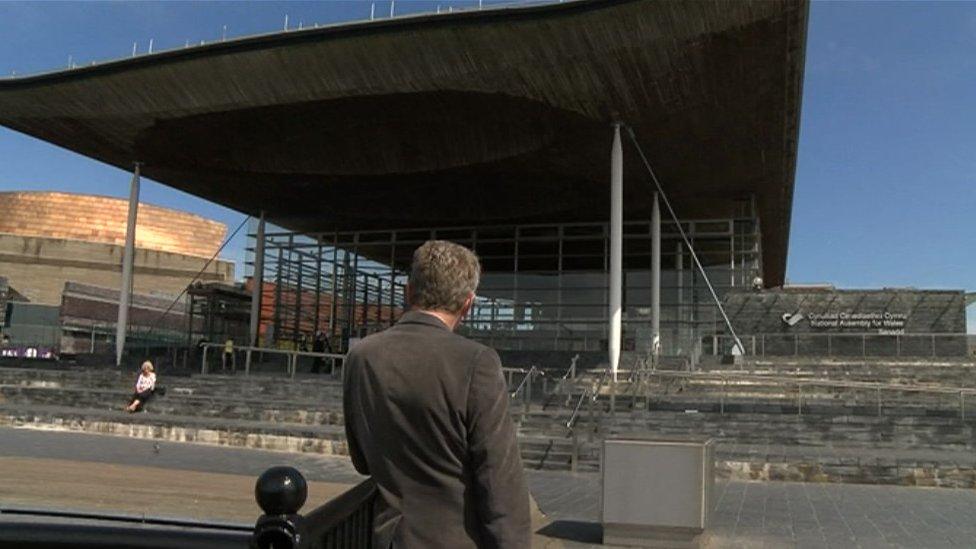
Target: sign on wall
(28,352)
(884,322)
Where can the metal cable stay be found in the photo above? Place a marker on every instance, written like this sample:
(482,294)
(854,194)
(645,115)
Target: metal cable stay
(684,237)
(197,276)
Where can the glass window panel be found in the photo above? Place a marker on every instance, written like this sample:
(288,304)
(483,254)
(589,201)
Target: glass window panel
(636,229)
(711,227)
(496,249)
(453,234)
(413,236)
(584,230)
(539,232)
(582,263)
(496,233)
(583,248)
(546,248)
(538,263)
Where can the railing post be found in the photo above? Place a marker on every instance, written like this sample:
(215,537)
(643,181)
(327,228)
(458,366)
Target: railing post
(247,363)
(879,401)
(796,344)
(574,456)
(962,405)
(589,405)
(828,344)
(203,363)
(799,399)
(721,402)
(897,345)
(864,345)
(933,345)
(613,397)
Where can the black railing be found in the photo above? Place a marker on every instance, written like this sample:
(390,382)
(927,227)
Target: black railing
(344,522)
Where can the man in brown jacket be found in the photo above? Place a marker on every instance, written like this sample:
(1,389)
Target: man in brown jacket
(426,413)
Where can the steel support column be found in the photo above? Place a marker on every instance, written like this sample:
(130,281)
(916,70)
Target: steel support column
(679,276)
(333,305)
(257,281)
(276,322)
(318,289)
(655,280)
(299,281)
(128,260)
(616,248)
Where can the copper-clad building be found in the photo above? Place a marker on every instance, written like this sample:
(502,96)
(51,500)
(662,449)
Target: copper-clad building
(49,238)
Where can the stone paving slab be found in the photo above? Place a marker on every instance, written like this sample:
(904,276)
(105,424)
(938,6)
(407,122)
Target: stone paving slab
(170,455)
(892,455)
(785,514)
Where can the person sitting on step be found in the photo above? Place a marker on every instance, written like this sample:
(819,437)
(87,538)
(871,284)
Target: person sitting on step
(145,386)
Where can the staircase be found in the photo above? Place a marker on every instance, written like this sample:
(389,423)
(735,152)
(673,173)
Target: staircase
(808,420)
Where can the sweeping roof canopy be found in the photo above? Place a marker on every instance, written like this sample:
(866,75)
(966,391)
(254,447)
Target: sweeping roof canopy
(474,117)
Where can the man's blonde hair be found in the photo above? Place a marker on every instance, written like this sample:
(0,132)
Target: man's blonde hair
(443,275)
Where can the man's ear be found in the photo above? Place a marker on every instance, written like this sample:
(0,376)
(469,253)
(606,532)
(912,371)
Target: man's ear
(468,304)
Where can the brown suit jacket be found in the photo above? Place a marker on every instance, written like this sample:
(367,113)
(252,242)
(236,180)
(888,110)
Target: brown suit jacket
(426,414)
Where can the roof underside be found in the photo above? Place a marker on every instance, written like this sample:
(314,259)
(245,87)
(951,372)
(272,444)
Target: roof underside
(479,117)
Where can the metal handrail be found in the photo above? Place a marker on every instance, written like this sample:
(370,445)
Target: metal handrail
(603,379)
(874,386)
(571,369)
(533,371)
(814,382)
(291,354)
(575,415)
(273,350)
(758,342)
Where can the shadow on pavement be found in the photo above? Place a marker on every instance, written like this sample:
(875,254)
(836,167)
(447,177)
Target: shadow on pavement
(573,530)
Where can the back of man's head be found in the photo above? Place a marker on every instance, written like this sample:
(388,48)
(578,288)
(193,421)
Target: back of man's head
(443,276)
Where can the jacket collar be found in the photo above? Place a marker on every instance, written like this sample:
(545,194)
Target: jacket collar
(417,317)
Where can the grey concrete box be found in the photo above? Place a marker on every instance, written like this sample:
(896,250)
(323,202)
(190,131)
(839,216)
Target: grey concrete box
(657,491)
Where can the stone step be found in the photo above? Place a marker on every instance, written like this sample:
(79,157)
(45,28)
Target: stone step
(847,465)
(327,411)
(805,463)
(322,439)
(291,437)
(218,386)
(888,432)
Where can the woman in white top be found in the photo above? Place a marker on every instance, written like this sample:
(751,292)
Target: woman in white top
(145,386)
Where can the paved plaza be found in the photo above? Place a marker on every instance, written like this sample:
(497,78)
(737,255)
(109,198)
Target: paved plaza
(790,514)
(747,514)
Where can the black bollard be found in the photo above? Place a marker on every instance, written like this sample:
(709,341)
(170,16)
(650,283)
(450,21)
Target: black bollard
(280,493)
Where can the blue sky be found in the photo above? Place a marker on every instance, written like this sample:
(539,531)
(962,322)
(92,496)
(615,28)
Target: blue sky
(886,177)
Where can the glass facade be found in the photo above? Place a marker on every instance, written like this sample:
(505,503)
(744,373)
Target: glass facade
(543,287)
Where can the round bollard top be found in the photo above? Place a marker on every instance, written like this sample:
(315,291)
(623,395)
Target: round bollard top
(281,491)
